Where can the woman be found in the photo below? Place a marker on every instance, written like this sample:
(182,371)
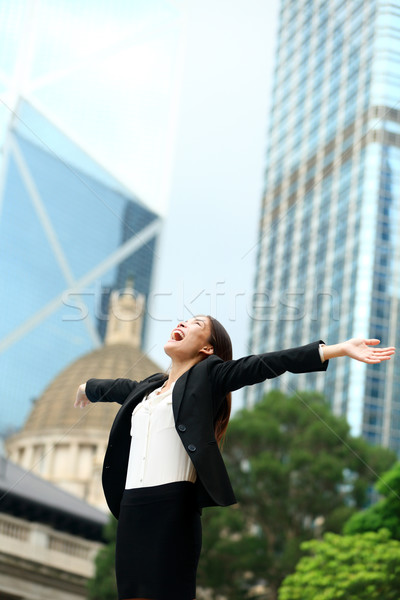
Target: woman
(163,463)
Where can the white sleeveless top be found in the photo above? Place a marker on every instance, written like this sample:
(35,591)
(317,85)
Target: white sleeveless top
(157,455)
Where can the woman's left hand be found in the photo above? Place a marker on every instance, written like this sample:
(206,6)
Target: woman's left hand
(364,351)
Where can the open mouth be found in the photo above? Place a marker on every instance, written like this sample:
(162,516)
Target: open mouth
(177,335)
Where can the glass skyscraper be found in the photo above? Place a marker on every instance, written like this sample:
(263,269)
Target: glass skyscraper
(88,104)
(328,260)
(69,234)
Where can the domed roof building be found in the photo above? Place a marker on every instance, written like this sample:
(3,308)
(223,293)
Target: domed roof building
(66,445)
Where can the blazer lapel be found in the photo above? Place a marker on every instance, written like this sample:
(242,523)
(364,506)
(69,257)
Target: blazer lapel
(146,387)
(141,390)
(177,393)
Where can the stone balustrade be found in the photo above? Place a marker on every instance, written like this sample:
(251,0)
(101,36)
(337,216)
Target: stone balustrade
(44,545)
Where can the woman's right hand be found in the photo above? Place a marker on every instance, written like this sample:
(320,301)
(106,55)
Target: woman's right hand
(81,399)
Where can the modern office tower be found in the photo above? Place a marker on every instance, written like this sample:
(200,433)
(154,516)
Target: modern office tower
(69,233)
(328,262)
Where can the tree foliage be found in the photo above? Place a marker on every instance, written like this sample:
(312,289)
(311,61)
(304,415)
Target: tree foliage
(385,513)
(358,567)
(103,585)
(230,551)
(297,472)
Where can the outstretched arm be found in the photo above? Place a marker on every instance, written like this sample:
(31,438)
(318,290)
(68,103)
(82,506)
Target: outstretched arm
(104,390)
(359,349)
(232,375)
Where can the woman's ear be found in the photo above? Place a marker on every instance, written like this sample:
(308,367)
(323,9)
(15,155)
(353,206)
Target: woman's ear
(207,350)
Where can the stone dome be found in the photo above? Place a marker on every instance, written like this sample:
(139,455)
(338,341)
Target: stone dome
(54,409)
(66,445)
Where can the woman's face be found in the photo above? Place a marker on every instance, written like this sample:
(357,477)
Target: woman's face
(190,339)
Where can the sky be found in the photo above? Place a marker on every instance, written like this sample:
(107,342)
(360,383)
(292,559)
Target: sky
(207,251)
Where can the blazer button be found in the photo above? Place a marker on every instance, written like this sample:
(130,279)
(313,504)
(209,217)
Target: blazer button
(192,448)
(182,427)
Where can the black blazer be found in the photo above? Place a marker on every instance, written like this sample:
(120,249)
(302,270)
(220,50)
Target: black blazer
(196,398)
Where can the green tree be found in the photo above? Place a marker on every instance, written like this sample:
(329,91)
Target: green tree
(297,472)
(103,585)
(231,553)
(358,567)
(385,513)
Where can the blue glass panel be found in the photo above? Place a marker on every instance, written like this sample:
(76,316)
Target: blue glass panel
(76,203)
(27,262)
(90,221)
(32,362)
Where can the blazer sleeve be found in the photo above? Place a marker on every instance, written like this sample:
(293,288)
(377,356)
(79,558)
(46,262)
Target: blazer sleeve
(109,390)
(234,374)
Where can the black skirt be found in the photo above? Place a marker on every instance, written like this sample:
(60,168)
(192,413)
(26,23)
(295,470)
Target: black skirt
(158,543)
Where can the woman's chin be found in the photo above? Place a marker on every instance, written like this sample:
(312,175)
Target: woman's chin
(173,348)
(169,348)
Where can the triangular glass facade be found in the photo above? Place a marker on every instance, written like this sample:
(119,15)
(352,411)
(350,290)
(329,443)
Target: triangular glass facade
(67,238)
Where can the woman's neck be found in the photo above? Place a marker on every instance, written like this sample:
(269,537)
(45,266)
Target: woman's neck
(178,369)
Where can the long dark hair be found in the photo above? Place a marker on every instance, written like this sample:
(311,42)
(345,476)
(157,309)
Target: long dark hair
(221,342)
